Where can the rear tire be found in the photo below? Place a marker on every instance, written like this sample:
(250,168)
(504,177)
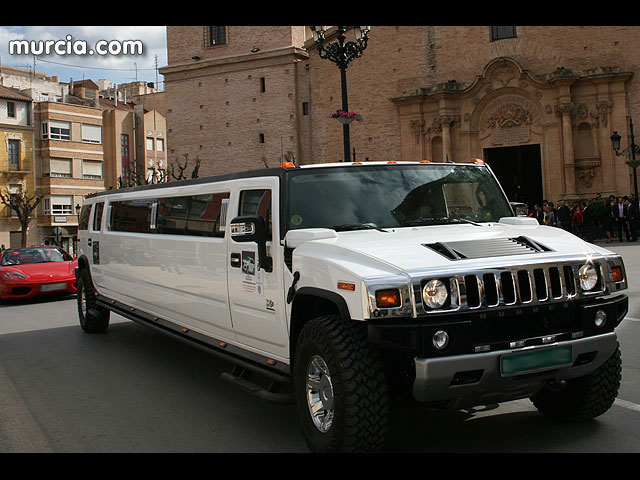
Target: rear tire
(340,378)
(583,398)
(93,318)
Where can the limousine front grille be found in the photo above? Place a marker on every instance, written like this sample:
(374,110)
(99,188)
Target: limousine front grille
(510,286)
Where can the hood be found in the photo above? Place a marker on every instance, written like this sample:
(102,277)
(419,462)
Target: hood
(43,271)
(416,249)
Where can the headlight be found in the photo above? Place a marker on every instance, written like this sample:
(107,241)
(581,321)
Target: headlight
(434,293)
(14,276)
(588,277)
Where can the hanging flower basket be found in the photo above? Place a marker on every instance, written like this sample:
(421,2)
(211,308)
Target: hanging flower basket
(346,117)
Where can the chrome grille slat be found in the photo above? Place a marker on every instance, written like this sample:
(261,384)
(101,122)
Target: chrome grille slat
(524,285)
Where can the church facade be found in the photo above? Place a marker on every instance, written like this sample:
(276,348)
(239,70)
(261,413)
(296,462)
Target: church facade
(538,104)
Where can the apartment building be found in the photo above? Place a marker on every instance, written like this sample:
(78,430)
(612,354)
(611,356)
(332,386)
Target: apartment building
(134,140)
(71,161)
(16,161)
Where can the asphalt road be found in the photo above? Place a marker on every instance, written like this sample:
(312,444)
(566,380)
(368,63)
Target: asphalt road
(135,390)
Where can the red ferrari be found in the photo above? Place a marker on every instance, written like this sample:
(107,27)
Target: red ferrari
(27,272)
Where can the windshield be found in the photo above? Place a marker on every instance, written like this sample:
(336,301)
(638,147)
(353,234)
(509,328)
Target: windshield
(25,256)
(359,197)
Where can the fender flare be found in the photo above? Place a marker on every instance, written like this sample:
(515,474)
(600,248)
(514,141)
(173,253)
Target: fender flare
(333,297)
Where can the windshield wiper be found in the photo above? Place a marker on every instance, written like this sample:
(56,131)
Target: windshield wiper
(439,221)
(357,226)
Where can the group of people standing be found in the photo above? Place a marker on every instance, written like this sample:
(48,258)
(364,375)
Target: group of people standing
(614,215)
(621,214)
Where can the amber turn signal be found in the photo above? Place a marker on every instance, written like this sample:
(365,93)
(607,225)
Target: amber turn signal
(388,298)
(347,286)
(617,274)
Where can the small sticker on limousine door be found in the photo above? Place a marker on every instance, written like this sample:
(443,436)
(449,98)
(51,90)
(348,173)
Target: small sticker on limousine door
(251,276)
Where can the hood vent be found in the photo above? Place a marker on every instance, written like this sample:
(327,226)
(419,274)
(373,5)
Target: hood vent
(495,247)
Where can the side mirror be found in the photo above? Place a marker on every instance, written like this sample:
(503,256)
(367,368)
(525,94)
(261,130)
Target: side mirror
(519,209)
(251,228)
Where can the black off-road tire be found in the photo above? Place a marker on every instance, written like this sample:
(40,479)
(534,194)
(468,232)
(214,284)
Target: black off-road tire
(360,397)
(583,398)
(98,321)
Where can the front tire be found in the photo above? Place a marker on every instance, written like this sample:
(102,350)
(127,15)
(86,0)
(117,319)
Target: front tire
(583,398)
(93,318)
(340,387)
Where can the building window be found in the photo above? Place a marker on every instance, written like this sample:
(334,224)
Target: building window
(305,108)
(58,205)
(261,138)
(60,167)
(92,169)
(14,154)
(498,33)
(91,133)
(160,145)
(217,36)
(262,85)
(58,130)
(124,150)
(11,110)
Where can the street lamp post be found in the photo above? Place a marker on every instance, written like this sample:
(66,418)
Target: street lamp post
(630,152)
(342,53)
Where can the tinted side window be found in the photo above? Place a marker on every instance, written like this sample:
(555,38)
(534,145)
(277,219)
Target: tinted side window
(199,215)
(83,223)
(97,216)
(257,202)
(132,216)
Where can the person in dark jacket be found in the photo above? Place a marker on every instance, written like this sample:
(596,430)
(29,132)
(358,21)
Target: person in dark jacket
(607,217)
(633,219)
(620,218)
(564,216)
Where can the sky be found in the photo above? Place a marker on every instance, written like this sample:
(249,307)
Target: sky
(87,52)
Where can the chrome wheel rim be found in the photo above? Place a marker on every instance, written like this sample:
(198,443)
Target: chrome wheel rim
(320,394)
(83,302)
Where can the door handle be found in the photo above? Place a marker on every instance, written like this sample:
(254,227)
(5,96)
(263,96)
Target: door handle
(235,260)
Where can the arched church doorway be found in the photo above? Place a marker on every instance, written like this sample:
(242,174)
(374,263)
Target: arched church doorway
(518,170)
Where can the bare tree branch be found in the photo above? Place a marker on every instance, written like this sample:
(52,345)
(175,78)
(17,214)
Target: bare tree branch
(23,205)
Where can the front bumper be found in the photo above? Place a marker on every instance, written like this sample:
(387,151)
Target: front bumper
(467,372)
(477,379)
(27,289)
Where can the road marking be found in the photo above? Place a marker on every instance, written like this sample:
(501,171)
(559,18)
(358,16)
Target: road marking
(630,405)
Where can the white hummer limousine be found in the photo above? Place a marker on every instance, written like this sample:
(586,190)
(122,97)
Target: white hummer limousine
(345,286)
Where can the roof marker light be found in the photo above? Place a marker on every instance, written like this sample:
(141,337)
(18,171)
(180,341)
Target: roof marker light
(287,165)
(425,161)
(477,160)
(392,161)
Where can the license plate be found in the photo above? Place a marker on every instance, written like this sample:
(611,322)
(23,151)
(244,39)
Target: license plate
(53,286)
(535,361)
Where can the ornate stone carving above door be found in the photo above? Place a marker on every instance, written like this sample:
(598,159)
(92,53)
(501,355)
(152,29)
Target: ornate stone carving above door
(508,119)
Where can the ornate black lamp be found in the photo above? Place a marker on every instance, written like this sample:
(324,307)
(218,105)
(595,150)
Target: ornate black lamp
(629,152)
(342,53)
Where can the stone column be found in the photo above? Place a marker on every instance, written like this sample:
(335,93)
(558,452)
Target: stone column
(568,161)
(447,151)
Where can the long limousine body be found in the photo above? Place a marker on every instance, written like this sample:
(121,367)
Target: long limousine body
(339,286)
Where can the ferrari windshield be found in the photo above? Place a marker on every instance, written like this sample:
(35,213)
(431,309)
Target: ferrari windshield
(388,196)
(23,256)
